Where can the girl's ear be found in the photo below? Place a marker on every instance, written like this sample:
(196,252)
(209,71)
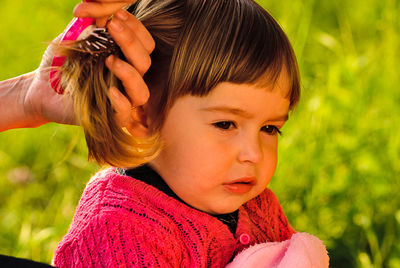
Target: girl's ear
(138,125)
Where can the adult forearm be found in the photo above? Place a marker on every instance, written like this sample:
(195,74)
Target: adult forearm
(13,113)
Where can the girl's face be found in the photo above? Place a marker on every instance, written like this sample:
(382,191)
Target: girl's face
(220,151)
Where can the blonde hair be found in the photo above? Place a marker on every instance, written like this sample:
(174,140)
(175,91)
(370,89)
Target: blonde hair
(199,43)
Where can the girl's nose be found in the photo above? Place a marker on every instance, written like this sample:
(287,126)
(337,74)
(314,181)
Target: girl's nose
(251,151)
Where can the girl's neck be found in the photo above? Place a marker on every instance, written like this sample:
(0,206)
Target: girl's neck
(147,174)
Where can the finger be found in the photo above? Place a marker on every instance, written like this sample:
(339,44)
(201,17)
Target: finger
(138,28)
(48,55)
(122,107)
(98,10)
(132,81)
(131,45)
(138,129)
(102,22)
(126,117)
(111,1)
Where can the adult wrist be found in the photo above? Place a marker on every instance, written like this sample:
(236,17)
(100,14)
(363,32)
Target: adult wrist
(16,110)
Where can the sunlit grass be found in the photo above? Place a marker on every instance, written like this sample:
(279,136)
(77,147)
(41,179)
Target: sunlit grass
(339,158)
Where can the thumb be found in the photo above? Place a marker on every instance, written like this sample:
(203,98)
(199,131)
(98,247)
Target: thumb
(49,53)
(43,72)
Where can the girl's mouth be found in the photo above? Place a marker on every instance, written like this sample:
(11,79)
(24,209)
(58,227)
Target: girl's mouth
(240,186)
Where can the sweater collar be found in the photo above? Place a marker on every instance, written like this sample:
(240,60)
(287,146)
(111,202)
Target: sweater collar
(149,176)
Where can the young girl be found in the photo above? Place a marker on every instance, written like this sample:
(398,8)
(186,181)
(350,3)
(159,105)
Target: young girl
(222,80)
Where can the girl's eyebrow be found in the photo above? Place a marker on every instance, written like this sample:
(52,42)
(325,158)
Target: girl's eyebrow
(240,112)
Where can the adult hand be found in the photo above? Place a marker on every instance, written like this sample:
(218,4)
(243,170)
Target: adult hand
(29,101)
(136,44)
(41,104)
(38,101)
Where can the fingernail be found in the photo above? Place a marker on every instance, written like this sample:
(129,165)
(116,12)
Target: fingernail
(79,11)
(116,25)
(75,10)
(122,15)
(109,60)
(114,93)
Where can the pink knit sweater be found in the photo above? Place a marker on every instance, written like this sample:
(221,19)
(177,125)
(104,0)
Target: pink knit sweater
(123,222)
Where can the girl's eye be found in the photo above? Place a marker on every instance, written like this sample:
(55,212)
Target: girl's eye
(271,130)
(225,125)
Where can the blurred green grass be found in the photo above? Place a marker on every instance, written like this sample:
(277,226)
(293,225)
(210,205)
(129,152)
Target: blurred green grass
(338,175)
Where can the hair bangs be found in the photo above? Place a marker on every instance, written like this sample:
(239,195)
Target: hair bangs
(242,44)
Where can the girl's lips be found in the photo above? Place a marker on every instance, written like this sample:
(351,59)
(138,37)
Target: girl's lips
(240,186)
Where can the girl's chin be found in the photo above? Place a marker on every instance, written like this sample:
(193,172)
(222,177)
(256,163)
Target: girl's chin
(223,210)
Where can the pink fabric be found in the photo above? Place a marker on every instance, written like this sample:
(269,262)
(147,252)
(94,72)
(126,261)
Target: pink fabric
(123,222)
(302,250)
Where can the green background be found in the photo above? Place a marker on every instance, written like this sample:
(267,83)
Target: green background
(339,158)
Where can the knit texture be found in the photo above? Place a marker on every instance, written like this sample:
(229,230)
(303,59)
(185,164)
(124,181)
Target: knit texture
(123,222)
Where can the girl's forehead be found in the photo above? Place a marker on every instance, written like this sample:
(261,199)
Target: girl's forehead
(228,92)
(244,100)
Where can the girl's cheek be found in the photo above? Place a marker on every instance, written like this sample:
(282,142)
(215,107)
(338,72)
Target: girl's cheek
(270,152)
